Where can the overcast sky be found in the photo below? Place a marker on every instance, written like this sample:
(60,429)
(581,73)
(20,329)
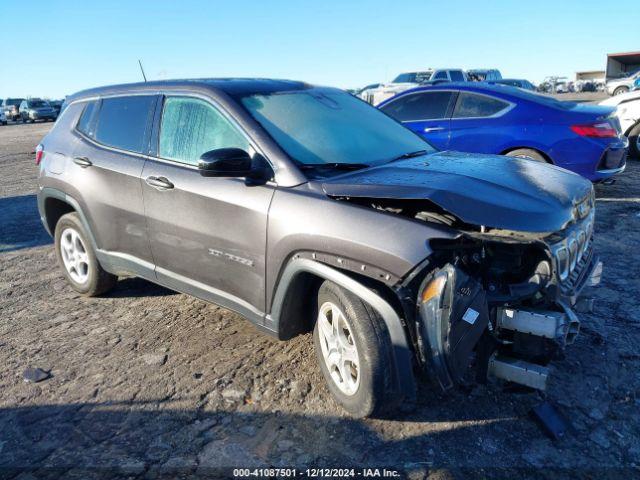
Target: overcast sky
(62,46)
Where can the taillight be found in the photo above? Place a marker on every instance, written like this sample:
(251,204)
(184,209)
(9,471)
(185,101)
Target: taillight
(39,154)
(598,130)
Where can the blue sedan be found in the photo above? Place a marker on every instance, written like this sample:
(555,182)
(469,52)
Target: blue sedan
(499,119)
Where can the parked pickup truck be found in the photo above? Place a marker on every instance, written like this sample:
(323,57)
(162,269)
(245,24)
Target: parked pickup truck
(408,80)
(304,209)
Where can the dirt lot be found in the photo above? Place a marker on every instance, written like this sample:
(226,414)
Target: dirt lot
(148,383)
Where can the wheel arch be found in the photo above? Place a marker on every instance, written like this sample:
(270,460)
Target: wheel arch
(631,127)
(294,297)
(53,204)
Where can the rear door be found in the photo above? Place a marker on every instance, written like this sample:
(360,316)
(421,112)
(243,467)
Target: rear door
(106,167)
(208,234)
(477,123)
(426,113)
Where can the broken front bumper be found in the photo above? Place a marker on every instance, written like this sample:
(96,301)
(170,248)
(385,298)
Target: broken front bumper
(458,330)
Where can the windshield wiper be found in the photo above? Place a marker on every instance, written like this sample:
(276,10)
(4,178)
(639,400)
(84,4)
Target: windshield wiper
(334,166)
(417,153)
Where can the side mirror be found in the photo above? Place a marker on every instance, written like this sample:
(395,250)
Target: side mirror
(225,162)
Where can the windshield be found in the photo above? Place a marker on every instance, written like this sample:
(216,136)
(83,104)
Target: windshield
(37,104)
(14,101)
(413,77)
(329,126)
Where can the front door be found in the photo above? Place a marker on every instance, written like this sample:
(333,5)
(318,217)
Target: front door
(207,234)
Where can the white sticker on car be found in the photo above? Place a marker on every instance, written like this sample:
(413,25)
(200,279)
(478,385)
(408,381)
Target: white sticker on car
(470,316)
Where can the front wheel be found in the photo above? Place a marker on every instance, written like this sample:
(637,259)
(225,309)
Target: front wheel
(620,90)
(634,141)
(354,351)
(78,260)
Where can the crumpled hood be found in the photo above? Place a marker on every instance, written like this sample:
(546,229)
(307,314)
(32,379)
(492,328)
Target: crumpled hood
(489,190)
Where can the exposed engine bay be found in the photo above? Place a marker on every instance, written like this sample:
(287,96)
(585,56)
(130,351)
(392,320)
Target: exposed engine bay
(494,302)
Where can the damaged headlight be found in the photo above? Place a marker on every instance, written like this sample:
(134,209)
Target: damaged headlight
(431,315)
(453,314)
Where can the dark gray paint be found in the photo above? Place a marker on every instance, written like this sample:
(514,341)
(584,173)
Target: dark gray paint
(236,243)
(489,190)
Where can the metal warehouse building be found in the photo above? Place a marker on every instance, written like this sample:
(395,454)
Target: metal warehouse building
(591,75)
(619,63)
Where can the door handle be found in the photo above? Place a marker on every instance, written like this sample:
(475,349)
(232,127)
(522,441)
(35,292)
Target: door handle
(160,183)
(84,162)
(433,129)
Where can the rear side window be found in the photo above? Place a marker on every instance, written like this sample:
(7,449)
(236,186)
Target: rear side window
(471,105)
(86,124)
(191,127)
(456,76)
(419,106)
(441,75)
(122,122)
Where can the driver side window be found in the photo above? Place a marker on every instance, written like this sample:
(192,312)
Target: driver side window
(191,127)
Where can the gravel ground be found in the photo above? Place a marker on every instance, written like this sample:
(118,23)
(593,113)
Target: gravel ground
(148,383)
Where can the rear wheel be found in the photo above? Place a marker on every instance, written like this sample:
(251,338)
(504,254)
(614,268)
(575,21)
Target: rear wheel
(78,260)
(353,348)
(620,90)
(634,141)
(527,153)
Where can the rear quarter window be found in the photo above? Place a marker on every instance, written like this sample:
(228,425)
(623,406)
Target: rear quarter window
(419,106)
(86,124)
(122,122)
(456,76)
(471,105)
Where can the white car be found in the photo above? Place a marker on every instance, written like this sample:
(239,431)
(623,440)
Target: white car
(408,80)
(628,113)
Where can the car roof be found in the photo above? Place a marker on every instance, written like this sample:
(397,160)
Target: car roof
(234,87)
(480,87)
(506,92)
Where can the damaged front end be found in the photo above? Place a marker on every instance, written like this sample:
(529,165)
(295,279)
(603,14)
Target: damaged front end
(499,298)
(501,303)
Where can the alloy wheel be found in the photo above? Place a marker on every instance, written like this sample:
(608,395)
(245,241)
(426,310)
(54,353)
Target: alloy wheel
(338,347)
(74,255)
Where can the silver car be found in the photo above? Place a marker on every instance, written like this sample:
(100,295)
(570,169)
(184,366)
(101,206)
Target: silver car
(622,85)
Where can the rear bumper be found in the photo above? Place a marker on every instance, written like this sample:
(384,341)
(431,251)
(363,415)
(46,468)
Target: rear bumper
(595,159)
(612,161)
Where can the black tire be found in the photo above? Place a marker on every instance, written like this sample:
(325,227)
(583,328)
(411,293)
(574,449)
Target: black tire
(620,90)
(527,153)
(374,394)
(634,138)
(98,280)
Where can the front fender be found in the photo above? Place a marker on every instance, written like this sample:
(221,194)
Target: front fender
(402,353)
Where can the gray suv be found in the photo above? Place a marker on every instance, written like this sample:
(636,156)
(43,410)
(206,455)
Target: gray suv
(305,209)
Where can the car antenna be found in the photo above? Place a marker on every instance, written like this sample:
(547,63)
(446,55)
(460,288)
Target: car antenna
(142,70)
